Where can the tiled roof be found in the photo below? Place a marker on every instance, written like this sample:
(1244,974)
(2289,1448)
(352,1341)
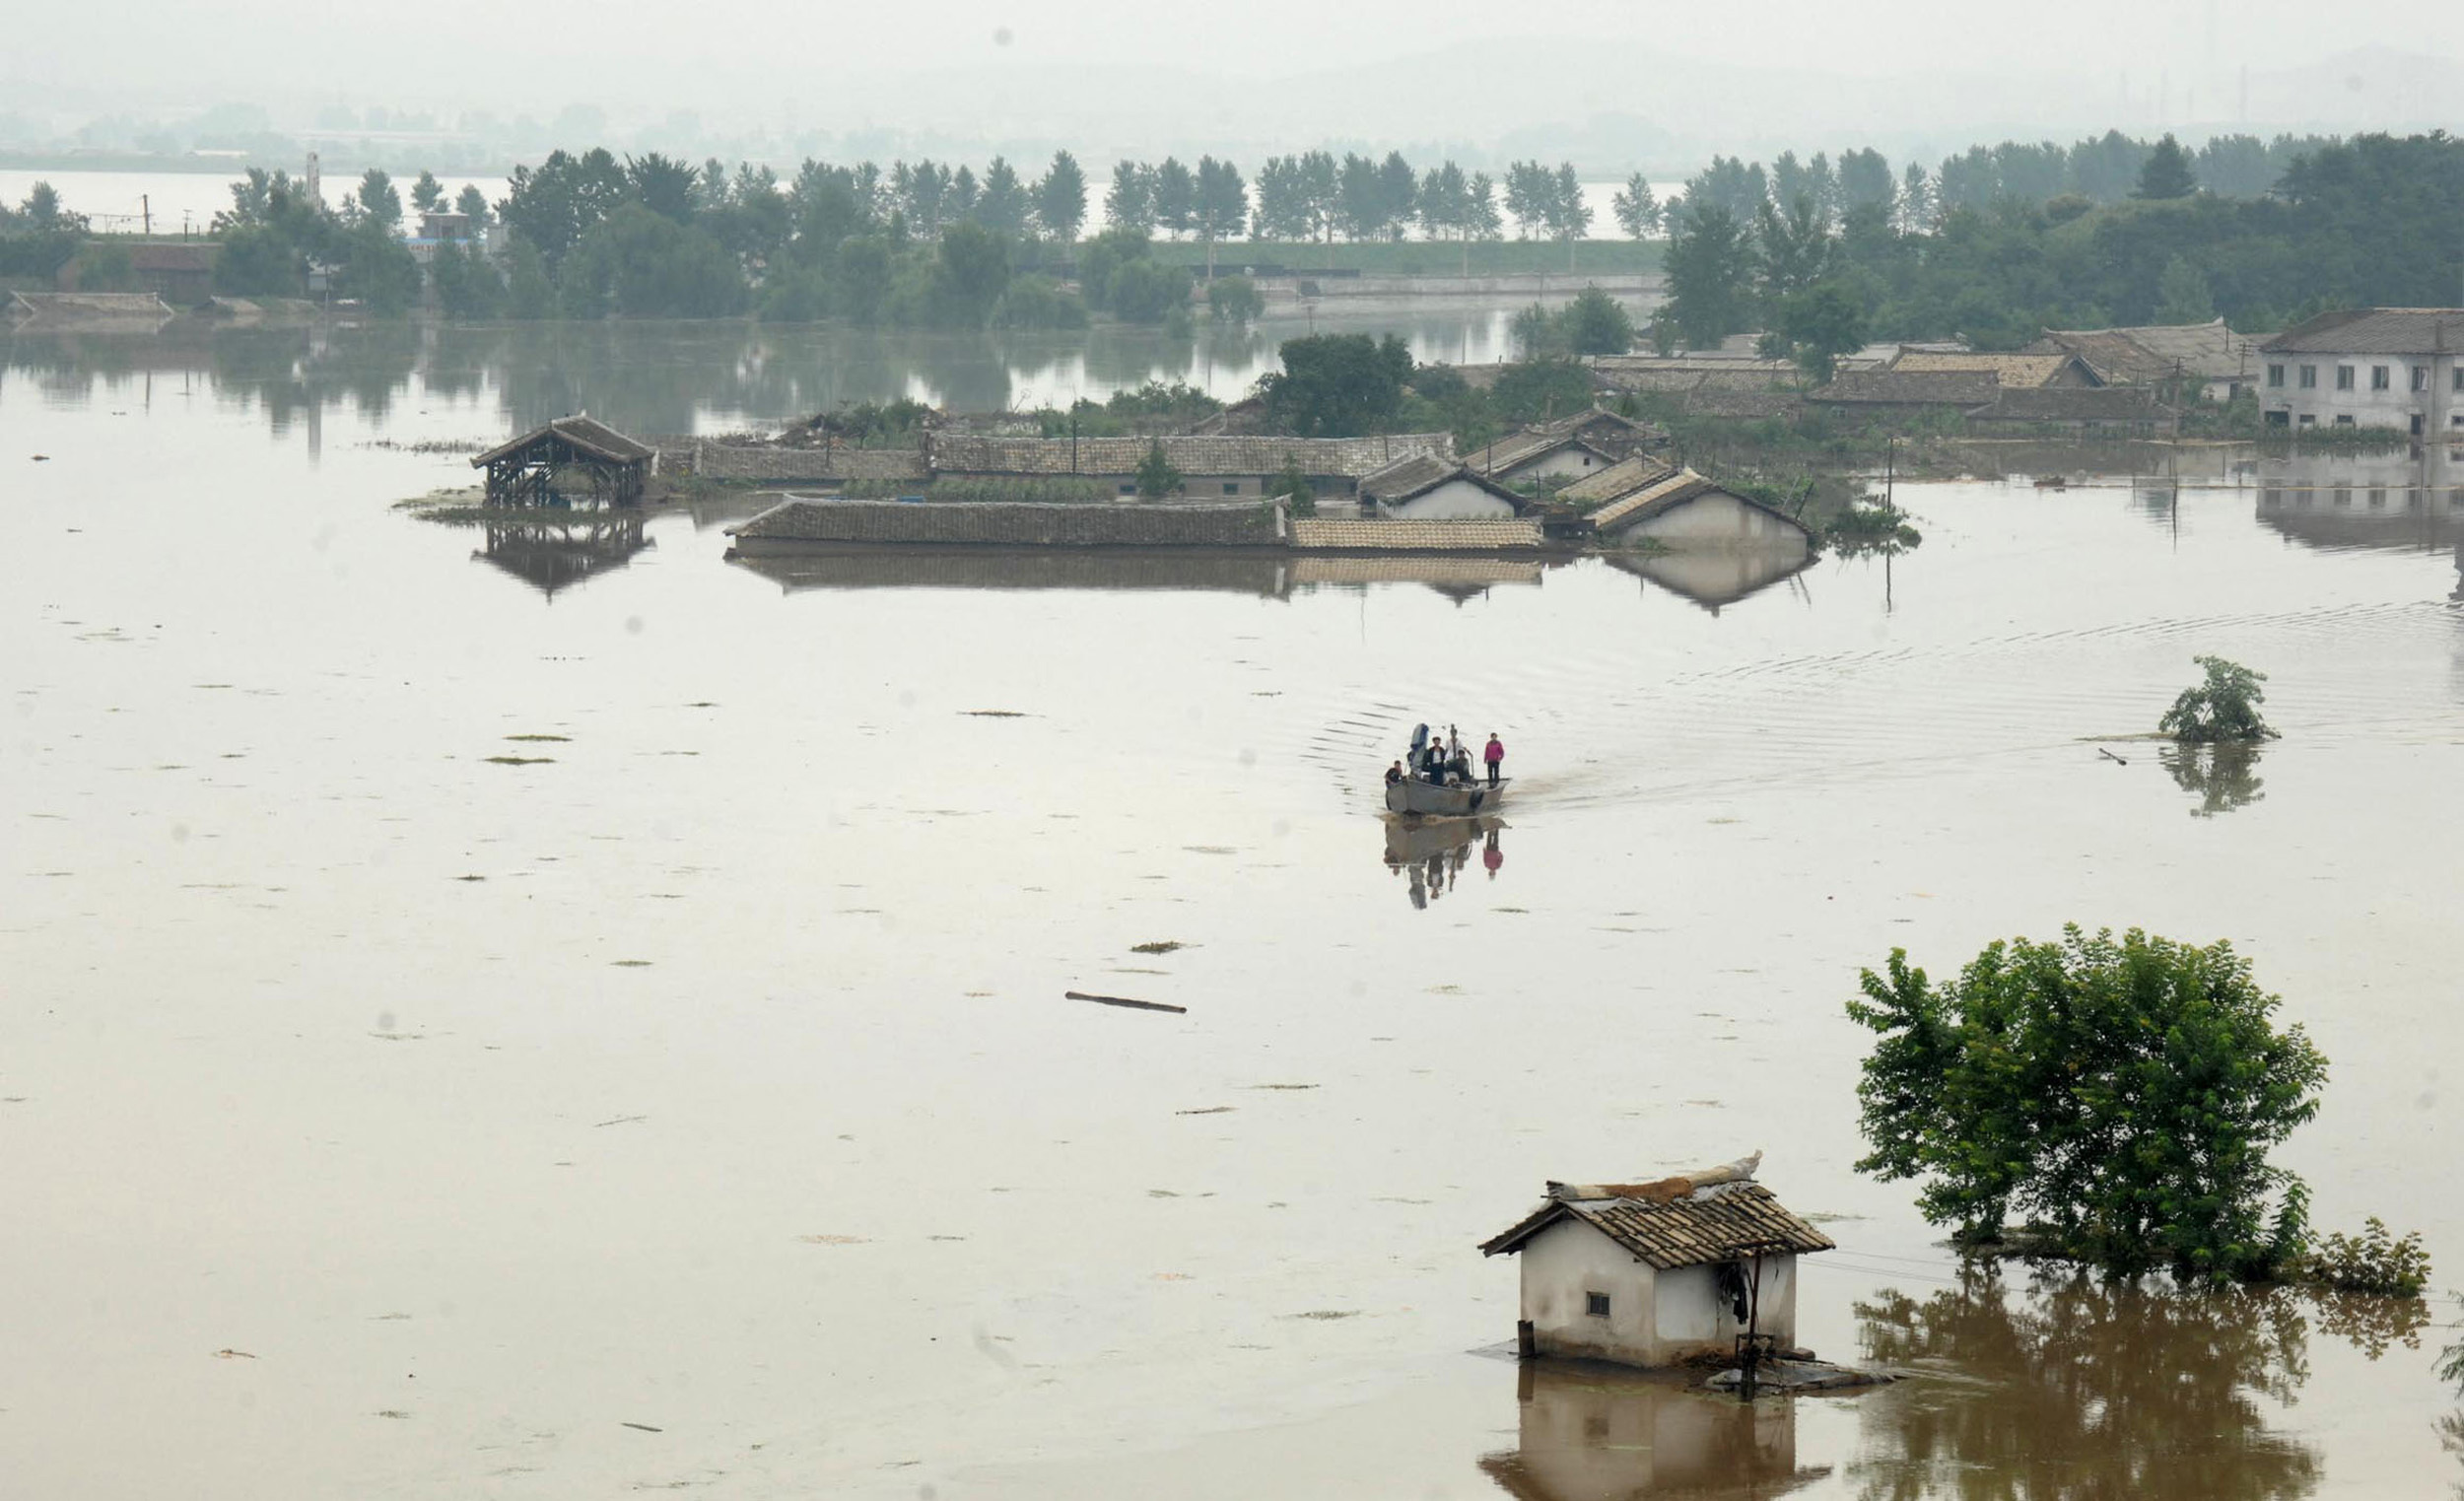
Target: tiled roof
(1615,482)
(1190,453)
(2127,404)
(1480,573)
(2009,370)
(1517,447)
(1415,536)
(1651,499)
(2374,331)
(1716,1225)
(1896,388)
(595,439)
(1742,405)
(2156,352)
(65,306)
(1407,477)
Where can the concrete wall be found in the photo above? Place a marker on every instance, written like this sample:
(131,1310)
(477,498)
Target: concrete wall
(1689,1318)
(1561,1265)
(2326,405)
(1570,462)
(1457,499)
(1719,520)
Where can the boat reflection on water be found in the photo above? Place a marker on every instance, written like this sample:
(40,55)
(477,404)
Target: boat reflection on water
(1431,854)
(1590,1432)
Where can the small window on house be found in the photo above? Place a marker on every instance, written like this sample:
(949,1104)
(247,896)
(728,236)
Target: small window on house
(2310,378)
(2343,496)
(1231,487)
(2378,377)
(2455,420)
(2455,499)
(1595,1304)
(2279,419)
(2344,378)
(2412,498)
(1129,489)
(2345,421)
(2421,378)
(2378,497)
(2309,419)
(2455,378)
(2276,375)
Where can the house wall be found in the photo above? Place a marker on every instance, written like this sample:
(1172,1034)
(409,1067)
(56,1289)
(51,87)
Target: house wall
(1689,1318)
(2292,404)
(1564,1263)
(1570,461)
(1719,520)
(1457,499)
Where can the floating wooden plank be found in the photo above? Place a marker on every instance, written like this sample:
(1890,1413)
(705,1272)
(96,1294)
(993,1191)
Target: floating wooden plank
(1124,1000)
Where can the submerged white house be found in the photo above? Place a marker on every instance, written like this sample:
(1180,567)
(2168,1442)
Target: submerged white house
(1659,1273)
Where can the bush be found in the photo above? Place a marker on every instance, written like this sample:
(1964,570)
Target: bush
(1037,302)
(2371,1261)
(2120,1095)
(2225,707)
(1143,292)
(1233,299)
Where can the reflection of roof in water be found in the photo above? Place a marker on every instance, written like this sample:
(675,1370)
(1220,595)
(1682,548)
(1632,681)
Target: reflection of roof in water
(1440,573)
(1713,578)
(2408,523)
(554,555)
(973,568)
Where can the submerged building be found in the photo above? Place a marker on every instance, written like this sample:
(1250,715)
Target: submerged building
(1659,1273)
(2368,368)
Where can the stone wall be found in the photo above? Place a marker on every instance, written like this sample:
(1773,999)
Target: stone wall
(1010,525)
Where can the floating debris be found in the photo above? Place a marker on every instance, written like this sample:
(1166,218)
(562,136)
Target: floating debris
(645,1427)
(994,714)
(1159,946)
(560,739)
(834,1239)
(521,760)
(229,1354)
(1211,1109)
(1124,1000)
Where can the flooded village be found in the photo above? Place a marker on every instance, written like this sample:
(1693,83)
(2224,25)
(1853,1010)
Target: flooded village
(859,833)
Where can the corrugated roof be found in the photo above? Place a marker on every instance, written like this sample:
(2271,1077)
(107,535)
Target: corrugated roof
(1415,536)
(593,437)
(2009,370)
(1190,453)
(1720,1223)
(1651,499)
(2374,331)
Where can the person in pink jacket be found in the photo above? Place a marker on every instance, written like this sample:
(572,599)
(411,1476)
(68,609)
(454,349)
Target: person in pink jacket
(1494,756)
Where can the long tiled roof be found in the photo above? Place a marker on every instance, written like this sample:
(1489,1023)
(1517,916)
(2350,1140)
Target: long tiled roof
(1006,524)
(1407,477)
(1415,536)
(1190,453)
(2374,331)
(1715,1224)
(2156,352)
(1518,448)
(2009,370)
(595,439)
(2128,404)
(1897,387)
(1651,499)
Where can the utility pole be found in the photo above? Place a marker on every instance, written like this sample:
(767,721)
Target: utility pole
(145,206)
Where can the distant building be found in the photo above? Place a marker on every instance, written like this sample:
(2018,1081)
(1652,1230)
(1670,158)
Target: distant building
(1217,467)
(1901,390)
(1643,502)
(2132,409)
(2370,368)
(2208,359)
(1657,1273)
(1428,488)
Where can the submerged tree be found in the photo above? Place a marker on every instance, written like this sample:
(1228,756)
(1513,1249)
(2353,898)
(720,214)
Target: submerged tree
(1156,476)
(2117,1096)
(2225,707)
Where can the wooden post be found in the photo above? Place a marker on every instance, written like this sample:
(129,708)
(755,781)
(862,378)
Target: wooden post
(1526,1341)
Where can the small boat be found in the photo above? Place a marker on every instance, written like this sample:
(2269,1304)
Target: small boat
(1417,795)
(1428,799)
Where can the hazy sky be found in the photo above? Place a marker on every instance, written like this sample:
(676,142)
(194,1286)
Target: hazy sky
(1412,69)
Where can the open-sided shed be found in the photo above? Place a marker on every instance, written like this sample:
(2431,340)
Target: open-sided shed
(531,470)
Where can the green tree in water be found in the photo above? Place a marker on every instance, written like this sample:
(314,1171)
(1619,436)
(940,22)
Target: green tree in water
(2118,1096)
(2225,707)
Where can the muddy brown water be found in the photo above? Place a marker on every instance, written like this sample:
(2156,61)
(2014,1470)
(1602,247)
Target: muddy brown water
(396,1103)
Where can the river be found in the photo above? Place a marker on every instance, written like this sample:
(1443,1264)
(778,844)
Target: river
(479,1025)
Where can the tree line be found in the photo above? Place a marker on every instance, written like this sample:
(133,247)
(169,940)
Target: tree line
(2362,221)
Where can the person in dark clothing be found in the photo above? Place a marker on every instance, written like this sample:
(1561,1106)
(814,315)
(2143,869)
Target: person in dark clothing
(1494,756)
(1433,763)
(1394,774)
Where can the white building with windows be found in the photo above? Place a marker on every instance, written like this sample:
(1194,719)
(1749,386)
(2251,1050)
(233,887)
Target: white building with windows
(1657,1274)
(2397,367)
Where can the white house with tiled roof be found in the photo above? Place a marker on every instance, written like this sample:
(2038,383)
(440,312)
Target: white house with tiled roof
(1657,1273)
(2399,368)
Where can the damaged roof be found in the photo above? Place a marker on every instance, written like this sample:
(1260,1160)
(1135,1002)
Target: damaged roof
(596,439)
(1718,1222)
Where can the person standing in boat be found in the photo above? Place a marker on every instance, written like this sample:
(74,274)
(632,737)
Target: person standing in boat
(1494,756)
(1433,761)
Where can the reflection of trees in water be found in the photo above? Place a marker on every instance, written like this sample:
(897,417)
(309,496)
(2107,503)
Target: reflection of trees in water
(2222,776)
(2083,1389)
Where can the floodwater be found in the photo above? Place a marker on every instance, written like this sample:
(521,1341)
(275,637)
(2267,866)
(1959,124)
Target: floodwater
(503,1017)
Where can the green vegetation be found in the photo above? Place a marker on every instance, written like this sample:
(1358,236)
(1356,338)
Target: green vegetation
(2223,709)
(276,240)
(1234,300)
(1156,407)
(1336,385)
(2374,1261)
(2120,1096)
(39,235)
(1593,323)
(1156,477)
(1995,251)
